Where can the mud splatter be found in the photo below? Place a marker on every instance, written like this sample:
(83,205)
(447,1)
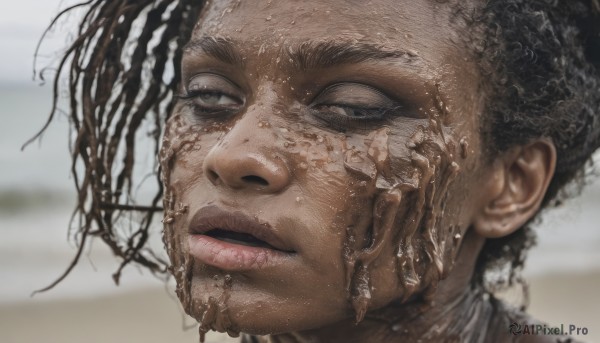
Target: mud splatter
(182,138)
(384,216)
(464,147)
(179,138)
(426,251)
(215,313)
(423,248)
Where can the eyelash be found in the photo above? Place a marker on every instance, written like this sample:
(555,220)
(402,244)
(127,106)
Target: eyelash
(203,111)
(339,122)
(342,122)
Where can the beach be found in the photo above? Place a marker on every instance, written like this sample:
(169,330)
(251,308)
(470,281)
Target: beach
(36,202)
(152,315)
(37,198)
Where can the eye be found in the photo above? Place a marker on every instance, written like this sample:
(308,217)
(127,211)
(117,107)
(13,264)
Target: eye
(348,105)
(215,99)
(211,94)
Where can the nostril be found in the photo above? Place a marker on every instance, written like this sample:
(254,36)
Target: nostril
(255,180)
(213,176)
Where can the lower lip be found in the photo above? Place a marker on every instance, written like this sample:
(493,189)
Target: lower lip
(232,257)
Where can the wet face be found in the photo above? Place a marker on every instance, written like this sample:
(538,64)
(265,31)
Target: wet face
(315,167)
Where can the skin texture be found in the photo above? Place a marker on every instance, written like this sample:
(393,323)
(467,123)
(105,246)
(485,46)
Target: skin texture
(382,219)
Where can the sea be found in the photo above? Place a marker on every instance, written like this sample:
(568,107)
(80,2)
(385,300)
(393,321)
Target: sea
(37,200)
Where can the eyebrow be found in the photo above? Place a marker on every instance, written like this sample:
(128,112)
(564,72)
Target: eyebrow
(306,55)
(312,55)
(216,47)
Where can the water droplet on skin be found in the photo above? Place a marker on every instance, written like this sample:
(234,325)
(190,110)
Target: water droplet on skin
(320,139)
(269,18)
(457,236)
(298,199)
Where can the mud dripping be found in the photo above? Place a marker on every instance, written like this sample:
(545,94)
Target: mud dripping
(370,164)
(424,244)
(407,208)
(214,314)
(180,139)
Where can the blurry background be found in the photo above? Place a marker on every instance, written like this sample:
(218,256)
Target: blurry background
(36,201)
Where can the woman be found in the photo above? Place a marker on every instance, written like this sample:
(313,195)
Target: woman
(338,171)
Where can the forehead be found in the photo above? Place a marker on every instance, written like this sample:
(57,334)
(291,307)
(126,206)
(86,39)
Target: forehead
(429,32)
(421,26)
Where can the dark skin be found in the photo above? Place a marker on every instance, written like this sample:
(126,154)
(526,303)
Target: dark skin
(364,168)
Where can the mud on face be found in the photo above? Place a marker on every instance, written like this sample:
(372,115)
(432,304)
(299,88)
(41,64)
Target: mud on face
(406,193)
(407,209)
(367,209)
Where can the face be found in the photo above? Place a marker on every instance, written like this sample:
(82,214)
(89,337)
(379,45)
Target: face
(315,165)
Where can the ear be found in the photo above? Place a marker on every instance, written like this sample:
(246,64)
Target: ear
(515,188)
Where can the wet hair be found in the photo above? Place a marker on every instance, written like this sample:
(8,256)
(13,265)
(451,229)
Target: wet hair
(122,72)
(540,60)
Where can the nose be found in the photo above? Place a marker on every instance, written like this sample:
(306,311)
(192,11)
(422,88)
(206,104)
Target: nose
(244,166)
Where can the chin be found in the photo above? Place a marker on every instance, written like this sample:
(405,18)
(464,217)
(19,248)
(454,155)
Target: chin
(240,307)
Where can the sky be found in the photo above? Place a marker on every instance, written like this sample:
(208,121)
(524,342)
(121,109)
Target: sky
(21,25)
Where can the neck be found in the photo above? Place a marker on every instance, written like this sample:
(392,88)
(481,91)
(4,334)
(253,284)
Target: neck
(457,312)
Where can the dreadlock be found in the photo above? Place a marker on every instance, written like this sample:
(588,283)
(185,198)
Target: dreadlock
(118,78)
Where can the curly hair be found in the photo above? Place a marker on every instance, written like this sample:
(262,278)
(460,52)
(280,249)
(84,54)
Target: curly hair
(541,59)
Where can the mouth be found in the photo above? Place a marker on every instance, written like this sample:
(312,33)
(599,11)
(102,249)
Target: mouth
(234,241)
(238,238)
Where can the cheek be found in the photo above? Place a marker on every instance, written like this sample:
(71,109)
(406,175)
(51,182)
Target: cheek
(339,191)
(326,199)
(183,150)
(412,169)
(181,167)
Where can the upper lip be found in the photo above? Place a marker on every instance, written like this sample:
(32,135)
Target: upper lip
(212,217)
